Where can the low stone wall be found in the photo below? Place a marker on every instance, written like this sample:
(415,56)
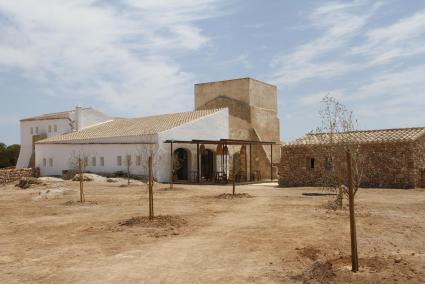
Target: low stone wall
(11,174)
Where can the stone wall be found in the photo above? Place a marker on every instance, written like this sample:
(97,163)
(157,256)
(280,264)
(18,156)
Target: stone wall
(12,174)
(419,160)
(389,165)
(253,115)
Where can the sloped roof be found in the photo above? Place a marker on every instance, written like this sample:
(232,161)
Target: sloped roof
(54,115)
(365,136)
(131,126)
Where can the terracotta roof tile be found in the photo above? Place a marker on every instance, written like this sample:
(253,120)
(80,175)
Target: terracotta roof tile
(365,136)
(125,127)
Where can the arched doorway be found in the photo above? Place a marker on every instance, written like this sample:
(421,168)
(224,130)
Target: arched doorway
(181,164)
(207,165)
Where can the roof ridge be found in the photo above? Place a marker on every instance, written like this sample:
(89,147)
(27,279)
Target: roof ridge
(370,130)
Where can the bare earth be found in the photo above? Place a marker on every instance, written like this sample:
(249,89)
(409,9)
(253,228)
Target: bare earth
(270,235)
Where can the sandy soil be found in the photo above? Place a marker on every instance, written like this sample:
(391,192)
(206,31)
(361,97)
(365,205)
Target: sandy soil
(276,235)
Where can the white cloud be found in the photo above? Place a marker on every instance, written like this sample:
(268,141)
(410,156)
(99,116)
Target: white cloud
(403,38)
(315,99)
(338,23)
(122,53)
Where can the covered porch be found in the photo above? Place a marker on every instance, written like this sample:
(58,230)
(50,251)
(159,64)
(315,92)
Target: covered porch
(218,161)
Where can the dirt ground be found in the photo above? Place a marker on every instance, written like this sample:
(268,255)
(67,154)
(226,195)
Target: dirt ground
(269,235)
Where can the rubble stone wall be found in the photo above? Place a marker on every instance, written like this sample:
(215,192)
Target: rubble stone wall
(12,174)
(386,165)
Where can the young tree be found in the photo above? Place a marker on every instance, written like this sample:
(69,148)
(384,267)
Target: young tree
(128,164)
(79,163)
(336,137)
(343,159)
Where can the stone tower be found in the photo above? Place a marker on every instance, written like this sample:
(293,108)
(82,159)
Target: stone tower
(253,114)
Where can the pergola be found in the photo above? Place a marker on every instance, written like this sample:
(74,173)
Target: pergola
(224,143)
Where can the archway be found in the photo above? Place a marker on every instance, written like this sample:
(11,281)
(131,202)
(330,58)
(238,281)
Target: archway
(207,165)
(181,164)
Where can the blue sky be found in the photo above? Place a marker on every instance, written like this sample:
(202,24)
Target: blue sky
(136,58)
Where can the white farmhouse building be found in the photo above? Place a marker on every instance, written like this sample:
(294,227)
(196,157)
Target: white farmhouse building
(107,146)
(240,113)
(54,124)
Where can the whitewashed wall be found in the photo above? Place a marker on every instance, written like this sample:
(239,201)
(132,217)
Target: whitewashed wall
(88,117)
(214,126)
(63,156)
(63,126)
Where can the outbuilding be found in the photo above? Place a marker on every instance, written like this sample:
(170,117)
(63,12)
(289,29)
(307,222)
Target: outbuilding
(395,158)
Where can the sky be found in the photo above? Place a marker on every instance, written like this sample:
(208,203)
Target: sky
(142,57)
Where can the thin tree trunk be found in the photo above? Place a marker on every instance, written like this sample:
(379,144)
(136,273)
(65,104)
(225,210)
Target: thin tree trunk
(354,256)
(339,198)
(234,173)
(80,169)
(150,185)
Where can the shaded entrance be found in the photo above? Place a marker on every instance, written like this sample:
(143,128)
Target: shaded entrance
(181,164)
(207,165)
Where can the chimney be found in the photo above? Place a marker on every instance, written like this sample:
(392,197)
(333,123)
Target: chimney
(78,118)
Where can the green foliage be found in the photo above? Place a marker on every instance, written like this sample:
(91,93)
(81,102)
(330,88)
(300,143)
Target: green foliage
(9,155)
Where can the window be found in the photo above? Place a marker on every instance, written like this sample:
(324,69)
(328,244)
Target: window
(32,130)
(50,128)
(86,161)
(102,161)
(36,130)
(119,160)
(138,161)
(44,162)
(50,162)
(93,161)
(312,163)
(55,128)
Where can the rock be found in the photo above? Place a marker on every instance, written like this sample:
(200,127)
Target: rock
(397,258)
(26,182)
(85,178)
(112,180)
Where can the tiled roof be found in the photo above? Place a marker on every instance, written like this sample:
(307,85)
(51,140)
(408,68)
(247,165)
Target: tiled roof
(365,136)
(131,126)
(55,115)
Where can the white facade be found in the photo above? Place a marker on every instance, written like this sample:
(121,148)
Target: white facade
(69,121)
(52,159)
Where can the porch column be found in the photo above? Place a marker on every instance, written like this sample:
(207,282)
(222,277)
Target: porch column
(271,161)
(197,162)
(250,163)
(171,165)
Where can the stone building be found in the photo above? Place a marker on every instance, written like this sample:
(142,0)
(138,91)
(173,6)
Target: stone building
(393,158)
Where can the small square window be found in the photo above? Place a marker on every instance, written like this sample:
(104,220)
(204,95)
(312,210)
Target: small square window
(102,161)
(50,162)
(138,161)
(55,128)
(44,162)
(119,161)
(93,161)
